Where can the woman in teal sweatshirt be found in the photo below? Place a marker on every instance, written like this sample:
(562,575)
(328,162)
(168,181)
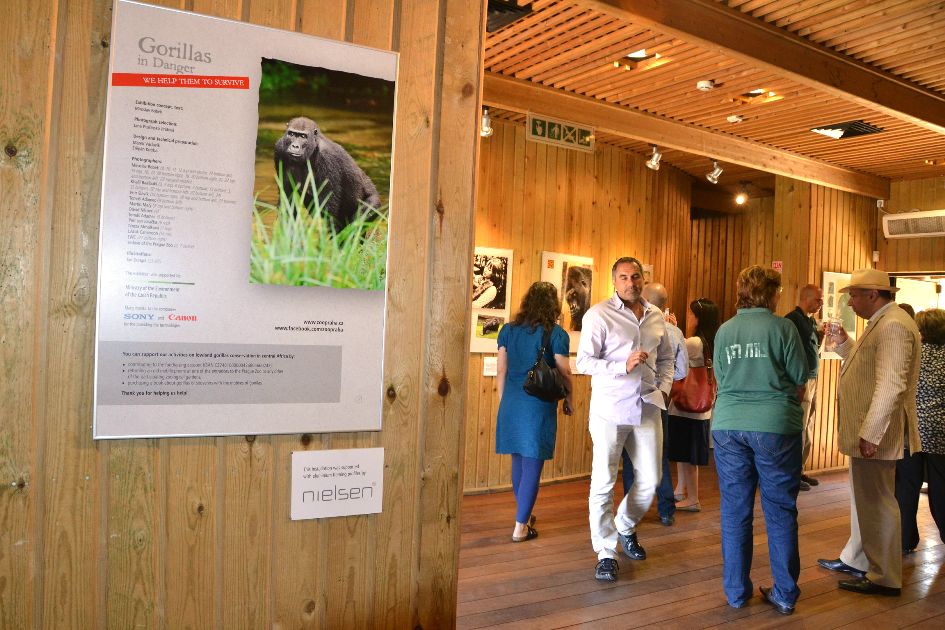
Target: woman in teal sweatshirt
(761,369)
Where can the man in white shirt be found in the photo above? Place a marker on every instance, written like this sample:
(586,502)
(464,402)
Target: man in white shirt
(626,350)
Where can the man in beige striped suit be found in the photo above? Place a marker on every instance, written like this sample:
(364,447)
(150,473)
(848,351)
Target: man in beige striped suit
(877,416)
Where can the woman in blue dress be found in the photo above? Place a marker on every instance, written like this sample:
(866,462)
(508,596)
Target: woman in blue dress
(526,426)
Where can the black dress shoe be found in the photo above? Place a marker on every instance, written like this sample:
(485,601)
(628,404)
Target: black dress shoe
(841,566)
(606,570)
(632,547)
(864,587)
(667,520)
(811,481)
(784,609)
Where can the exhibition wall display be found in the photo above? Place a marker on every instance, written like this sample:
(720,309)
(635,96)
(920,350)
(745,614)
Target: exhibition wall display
(492,279)
(573,276)
(243,242)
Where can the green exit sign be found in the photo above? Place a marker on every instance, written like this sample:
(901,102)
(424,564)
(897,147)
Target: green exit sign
(560,133)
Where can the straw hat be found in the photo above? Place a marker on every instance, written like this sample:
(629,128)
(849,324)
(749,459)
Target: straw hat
(870,279)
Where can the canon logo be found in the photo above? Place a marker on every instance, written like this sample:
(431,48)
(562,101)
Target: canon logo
(182,318)
(338,494)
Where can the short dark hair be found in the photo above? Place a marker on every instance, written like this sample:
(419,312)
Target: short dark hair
(886,295)
(623,260)
(931,325)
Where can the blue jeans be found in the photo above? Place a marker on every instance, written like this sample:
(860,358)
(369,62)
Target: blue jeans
(744,460)
(665,502)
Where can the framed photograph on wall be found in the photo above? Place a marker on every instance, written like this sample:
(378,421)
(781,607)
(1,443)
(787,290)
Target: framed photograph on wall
(492,282)
(574,278)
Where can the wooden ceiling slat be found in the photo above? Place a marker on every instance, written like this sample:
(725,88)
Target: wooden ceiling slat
(553,35)
(829,27)
(793,17)
(559,75)
(892,38)
(612,33)
(887,36)
(530,27)
(517,29)
(560,38)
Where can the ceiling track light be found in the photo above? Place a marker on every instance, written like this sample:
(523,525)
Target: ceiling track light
(654,162)
(485,127)
(715,173)
(742,195)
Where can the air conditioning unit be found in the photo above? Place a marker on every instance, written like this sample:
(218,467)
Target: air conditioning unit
(914,224)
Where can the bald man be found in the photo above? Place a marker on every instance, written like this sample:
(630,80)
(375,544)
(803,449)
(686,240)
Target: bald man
(810,300)
(656,294)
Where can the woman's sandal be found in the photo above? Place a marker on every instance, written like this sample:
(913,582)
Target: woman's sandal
(532,533)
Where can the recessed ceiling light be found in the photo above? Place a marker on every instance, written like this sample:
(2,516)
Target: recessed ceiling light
(734,118)
(639,55)
(755,92)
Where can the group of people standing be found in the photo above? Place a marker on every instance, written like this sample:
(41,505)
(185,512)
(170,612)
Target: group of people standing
(765,367)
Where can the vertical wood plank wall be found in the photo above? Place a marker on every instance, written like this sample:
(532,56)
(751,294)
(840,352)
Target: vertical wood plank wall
(913,254)
(195,533)
(534,198)
(811,229)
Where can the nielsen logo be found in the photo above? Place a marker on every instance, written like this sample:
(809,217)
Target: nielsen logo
(338,494)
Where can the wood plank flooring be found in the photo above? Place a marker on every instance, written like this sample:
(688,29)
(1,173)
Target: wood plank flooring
(549,582)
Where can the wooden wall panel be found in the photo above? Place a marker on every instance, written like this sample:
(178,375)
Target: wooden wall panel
(195,533)
(534,198)
(811,229)
(913,254)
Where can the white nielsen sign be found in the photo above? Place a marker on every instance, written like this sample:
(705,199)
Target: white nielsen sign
(337,483)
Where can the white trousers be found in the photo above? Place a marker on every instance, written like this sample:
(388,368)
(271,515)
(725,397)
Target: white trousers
(644,444)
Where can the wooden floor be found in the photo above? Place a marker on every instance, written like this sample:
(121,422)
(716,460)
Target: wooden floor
(549,582)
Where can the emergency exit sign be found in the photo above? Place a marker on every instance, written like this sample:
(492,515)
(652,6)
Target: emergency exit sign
(560,133)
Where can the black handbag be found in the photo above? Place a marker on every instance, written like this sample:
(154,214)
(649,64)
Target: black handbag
(543,381)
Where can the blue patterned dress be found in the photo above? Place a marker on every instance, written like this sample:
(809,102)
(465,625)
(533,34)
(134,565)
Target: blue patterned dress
(525,424)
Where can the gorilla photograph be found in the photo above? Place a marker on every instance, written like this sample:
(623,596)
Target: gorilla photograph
(322,183)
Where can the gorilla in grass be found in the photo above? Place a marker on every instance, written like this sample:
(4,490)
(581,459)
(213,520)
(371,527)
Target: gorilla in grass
(346,186)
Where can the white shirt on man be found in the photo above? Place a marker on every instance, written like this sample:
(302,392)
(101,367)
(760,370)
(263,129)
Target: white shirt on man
(610,332)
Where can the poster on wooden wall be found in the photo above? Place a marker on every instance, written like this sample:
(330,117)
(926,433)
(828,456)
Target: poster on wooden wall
(836,304)
(491,281)
(573,276)
(243,242)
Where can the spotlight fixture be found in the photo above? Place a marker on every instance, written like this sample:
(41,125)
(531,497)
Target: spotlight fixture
(715,173)
(742,195)
(654,162)
(485,128)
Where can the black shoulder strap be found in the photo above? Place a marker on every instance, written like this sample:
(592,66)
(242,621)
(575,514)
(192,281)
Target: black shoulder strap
(546,338)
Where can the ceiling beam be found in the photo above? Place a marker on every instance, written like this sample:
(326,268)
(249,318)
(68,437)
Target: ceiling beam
(728,31)
(524,96)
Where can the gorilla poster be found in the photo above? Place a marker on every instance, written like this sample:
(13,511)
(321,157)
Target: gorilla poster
(323,161)
(573,276)
(491,283)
